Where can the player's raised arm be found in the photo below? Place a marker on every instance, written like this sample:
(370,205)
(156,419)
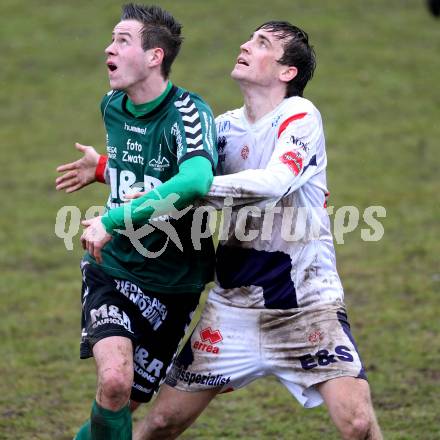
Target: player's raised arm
(76,175)
(292,164)
(196,157)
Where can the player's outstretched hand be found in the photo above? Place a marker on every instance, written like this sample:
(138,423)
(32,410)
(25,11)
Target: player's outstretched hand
(134,195)
(94,237)
(79,173)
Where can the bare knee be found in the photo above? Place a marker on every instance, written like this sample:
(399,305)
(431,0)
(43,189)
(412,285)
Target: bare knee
(349,403)
(358,427)
(162,425)
(114,387)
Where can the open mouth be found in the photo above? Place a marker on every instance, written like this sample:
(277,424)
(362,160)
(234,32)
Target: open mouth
(242,62)
(112,67)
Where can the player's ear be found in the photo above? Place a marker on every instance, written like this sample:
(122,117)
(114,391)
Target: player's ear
(288,73)
(155,56)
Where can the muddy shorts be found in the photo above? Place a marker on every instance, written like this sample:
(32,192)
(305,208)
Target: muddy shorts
(154,322)
(232,346)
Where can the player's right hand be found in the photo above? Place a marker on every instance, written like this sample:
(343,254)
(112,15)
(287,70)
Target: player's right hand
(79,173)
(134,195)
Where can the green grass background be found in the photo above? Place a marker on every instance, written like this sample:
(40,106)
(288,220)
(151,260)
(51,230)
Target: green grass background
(377,86)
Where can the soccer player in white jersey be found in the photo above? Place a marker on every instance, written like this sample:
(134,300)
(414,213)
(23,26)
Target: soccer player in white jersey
(278,305)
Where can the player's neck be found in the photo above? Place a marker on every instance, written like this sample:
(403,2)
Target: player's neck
(148,90)
(258,102)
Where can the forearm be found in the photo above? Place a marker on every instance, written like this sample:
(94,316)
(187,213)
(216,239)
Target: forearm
(292,163)
(192,182)
(248,187)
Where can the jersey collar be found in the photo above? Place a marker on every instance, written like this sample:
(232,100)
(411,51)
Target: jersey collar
(153,112)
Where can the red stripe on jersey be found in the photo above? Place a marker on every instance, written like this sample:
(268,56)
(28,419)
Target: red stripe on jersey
(284,125)
(293,161)
(326,195)
(100,169)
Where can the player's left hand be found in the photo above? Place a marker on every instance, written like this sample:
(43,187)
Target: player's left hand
(134,195)
(94,237)
(80,173)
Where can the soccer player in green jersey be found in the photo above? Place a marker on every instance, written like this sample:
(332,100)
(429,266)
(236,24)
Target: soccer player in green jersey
(140,290)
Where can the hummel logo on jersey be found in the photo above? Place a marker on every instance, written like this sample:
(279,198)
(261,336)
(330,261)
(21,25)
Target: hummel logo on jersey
(213,337)
(191,122)
(160,163)
(175,131)
(141,130)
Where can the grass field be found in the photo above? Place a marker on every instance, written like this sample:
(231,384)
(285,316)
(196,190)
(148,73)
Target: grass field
(377,86)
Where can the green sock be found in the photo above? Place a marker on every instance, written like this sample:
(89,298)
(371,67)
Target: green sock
(84,432)
(110,425)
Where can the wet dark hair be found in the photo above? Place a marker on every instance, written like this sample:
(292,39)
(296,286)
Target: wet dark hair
(159,29)
(297,52)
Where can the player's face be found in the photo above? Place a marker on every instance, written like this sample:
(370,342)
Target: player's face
(126,60)
(257,61)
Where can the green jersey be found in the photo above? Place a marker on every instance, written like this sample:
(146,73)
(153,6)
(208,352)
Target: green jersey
(144,152)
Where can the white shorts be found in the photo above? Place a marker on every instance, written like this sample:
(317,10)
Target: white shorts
(232,346)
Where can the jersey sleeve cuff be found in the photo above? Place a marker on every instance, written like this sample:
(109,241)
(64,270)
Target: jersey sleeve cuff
(100,169)
(108,223)
(201,153)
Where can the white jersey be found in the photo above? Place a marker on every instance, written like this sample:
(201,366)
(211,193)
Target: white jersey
(278,258)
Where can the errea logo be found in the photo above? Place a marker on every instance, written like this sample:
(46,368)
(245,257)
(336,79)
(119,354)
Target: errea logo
(210,338)
(213,337)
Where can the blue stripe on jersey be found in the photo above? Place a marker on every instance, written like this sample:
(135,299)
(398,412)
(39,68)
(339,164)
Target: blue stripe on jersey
(343,320)
(312,162)
(186,356)
(237,267)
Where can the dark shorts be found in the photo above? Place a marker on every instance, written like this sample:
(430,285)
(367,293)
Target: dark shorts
(154,322)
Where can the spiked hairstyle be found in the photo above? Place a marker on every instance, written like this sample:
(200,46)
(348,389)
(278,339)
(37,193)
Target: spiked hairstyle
(160,29)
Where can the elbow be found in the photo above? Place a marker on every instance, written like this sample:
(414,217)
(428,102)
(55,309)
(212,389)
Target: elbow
(207,185)
(203,188)
(278,191)
(286,189)
(282,186)
(272,185)
(200,188)
(204,184)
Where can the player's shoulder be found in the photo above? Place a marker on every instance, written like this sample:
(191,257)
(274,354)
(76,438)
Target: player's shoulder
(230,115)
(296,105)
(110,97)
(184,98)
(112,94)
(297,115)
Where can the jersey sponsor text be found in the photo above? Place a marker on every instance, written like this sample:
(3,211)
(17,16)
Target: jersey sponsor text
(152,309)
(140,130)
(109,314)
(214,380)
